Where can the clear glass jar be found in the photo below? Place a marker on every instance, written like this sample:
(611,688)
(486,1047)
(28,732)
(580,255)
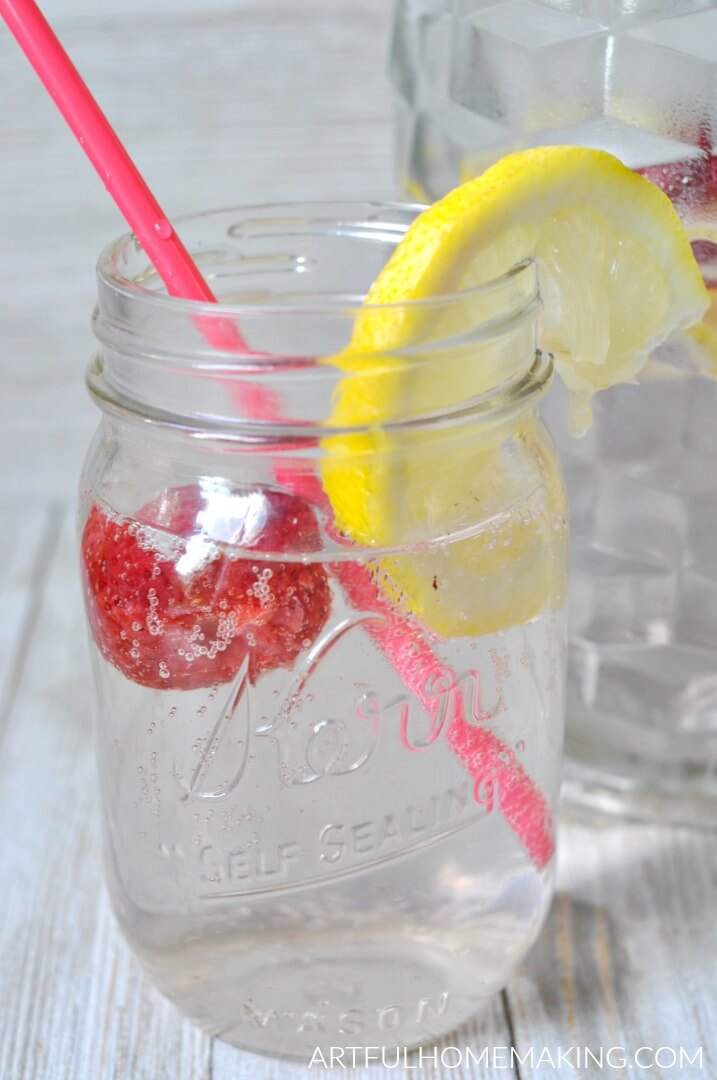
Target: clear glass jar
(329,766)
(475,80)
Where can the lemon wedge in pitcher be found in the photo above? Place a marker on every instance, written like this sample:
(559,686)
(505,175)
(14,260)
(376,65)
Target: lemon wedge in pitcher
(617,276)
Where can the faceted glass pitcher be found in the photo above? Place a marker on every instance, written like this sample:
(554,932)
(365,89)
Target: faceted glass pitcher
(328,657)
(474,80)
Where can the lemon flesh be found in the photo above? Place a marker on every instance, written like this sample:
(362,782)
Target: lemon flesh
(617,276)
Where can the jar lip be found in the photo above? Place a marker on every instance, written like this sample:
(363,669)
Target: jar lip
(277,269)
(132,290)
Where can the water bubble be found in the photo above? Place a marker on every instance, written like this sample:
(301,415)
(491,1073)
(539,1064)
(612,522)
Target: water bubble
(163,229)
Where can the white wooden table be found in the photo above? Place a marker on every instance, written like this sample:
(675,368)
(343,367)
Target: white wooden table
(224,102)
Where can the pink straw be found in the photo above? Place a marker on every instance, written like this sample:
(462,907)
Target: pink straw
(498,778)
(501,784)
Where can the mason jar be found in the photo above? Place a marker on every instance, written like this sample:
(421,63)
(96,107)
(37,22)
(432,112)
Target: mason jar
(327,653)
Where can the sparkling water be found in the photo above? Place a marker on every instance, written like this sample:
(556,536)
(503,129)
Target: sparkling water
(312,859)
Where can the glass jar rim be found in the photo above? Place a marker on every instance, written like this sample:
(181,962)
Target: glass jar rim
(131,289)
(278,270)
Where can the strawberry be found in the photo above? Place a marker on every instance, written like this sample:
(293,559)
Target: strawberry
(172,610)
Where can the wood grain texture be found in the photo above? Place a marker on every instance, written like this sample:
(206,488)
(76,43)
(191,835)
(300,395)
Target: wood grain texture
(23,541)
(627,958)
(60,957)
(230,101)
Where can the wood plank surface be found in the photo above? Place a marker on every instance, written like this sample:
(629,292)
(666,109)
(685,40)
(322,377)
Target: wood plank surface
(224,102)
(24,537)
(627,957)
(61,959)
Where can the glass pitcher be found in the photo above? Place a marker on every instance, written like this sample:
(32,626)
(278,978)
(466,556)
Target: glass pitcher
(473,80)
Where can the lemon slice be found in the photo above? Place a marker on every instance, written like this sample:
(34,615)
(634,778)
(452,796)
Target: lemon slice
(617,272)
(617,275)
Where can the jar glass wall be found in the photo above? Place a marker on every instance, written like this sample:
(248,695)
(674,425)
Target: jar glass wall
(328,656)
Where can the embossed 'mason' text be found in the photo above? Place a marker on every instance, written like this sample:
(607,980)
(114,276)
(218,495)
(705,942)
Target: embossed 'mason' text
(350,1021)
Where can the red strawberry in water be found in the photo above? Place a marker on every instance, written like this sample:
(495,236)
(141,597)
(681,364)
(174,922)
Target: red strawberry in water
(172,610)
